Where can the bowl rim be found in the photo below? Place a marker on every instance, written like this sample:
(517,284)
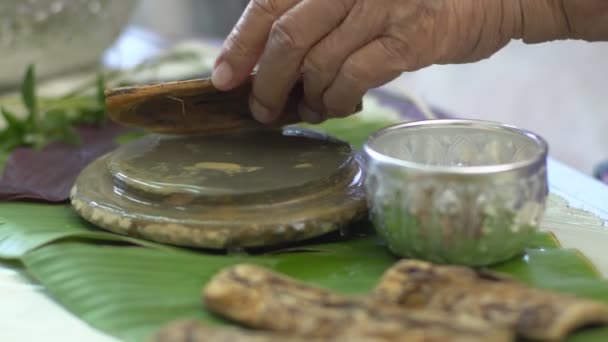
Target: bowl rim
(539,157)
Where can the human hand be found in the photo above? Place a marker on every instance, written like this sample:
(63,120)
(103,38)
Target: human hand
(342,48)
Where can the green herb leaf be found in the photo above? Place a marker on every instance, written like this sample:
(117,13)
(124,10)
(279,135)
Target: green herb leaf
(85,105)
(28,94)
(12,122)
(9,117)
(55,126)
(51,119)
(12,136)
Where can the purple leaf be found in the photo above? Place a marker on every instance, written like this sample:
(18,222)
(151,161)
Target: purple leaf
(47,175)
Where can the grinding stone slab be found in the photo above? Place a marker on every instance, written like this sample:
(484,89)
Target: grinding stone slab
(251,188)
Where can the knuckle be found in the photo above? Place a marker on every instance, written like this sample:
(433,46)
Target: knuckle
(283,36)
(235,45)
(316,81)
(268,7)
(338,107)
(357,74)
(338,9)
(312,66)
(395,50)
(344,6)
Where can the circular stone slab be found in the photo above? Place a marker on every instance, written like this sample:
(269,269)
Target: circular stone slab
(251,162)
(244,189)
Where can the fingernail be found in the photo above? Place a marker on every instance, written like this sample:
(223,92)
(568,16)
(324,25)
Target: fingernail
(308,114)
(222,75)
(260,113)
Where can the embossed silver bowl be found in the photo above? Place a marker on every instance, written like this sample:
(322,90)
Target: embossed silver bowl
(456,191)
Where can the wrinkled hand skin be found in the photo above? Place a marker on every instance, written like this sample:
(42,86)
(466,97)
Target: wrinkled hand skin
(342,48)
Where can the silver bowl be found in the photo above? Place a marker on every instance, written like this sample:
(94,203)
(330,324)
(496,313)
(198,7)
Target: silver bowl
(456,191)
(57,35)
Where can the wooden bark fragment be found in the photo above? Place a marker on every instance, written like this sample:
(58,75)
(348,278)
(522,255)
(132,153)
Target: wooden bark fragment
(500,301)
(191,107)
(195,331)
(259,298)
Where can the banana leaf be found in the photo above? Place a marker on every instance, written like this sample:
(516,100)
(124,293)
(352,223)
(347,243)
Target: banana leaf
(130,292)
(129,288)
(22,231)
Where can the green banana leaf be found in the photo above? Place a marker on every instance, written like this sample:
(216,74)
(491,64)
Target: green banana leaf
(129,288)
(22,231)
(130,292)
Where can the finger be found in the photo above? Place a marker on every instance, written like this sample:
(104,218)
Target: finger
(374,65)
(244,45)
(323,62)
(291,37)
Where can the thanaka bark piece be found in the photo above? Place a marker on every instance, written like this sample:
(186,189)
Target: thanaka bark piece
(261,299)
(191,107)
(503,302)
(194,331)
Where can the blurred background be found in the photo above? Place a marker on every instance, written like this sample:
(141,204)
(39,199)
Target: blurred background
(559,90)
(179,19)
